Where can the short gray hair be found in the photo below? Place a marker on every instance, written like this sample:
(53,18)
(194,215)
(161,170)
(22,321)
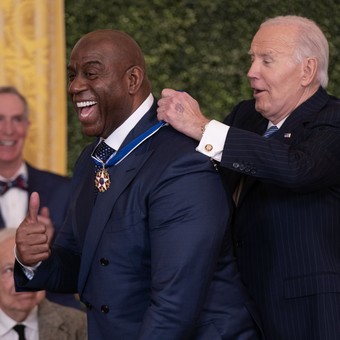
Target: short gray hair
(310,42)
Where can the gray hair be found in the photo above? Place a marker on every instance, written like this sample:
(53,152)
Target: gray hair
(309,41)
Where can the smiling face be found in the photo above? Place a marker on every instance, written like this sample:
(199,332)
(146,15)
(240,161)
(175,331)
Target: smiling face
(16,305)
(100,76)
(13,130)
(276,77)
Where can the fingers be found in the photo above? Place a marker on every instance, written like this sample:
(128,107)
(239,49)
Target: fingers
(182,112)
(33,207)
(31,247)
(167,104)
(45,212)
(167,92)
(32,237)
(45,219)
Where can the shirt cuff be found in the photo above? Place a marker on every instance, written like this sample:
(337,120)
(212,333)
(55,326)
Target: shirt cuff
(213,140)
(28,270)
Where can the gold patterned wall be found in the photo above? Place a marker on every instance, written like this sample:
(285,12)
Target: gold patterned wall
(32,58)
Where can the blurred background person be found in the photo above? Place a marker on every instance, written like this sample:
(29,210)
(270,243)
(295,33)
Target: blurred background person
(18,178)
(30,312)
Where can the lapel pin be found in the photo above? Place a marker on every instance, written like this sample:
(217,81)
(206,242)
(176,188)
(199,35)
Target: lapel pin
(287,135)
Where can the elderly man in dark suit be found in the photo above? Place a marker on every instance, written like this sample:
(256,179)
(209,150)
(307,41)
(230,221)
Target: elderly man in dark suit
(287,219)
(30,314)
(146,241)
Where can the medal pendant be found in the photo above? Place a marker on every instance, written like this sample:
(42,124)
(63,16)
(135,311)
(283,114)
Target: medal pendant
(102,180)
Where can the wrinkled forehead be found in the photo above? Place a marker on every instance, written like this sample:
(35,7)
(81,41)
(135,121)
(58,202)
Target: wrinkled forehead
(279,38)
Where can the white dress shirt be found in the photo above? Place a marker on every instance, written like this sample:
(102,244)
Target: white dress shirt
(214,138)
(14,203)
(31,330)
(117,137)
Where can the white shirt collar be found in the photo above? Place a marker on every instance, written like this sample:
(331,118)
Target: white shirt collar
(7,323)
(279,124)
(117,137)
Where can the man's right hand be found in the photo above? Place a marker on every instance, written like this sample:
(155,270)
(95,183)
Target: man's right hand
(32,236)
(182,112)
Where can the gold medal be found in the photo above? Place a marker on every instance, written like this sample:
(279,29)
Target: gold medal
(102,180)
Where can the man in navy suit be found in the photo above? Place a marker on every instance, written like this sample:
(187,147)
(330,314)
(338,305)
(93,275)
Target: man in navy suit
(287,219)
(54,190)
(146,241)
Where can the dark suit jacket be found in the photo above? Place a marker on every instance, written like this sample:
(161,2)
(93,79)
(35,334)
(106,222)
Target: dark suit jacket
(287,222)
(143,254)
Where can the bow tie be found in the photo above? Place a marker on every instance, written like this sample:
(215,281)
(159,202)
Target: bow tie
(20,182)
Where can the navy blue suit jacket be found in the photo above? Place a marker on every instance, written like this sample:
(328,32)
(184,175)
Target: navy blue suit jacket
(142,254)
(287,222)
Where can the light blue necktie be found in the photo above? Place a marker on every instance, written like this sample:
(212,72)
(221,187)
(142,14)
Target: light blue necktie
(270,131)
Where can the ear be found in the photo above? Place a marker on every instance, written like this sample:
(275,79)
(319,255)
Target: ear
(135,78)
(310,67)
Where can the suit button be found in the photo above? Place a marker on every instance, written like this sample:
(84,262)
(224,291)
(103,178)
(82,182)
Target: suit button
(105,309)
(236,165)
(104,261)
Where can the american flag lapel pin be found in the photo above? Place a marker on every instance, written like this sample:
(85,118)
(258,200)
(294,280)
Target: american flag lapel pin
(287,135)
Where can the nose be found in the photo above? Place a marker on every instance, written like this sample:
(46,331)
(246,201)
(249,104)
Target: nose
(253,71)
(76,85)
(7,127)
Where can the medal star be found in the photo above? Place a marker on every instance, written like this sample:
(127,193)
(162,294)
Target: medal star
(102,180)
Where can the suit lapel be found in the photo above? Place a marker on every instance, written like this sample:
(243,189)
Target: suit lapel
(288,131)
(85,199)
(121,176)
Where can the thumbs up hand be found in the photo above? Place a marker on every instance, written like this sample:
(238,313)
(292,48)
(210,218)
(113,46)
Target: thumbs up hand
(33,235)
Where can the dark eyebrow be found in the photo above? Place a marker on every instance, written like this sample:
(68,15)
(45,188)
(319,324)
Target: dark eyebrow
(90,62)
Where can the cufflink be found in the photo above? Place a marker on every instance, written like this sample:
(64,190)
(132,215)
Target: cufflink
(208,147)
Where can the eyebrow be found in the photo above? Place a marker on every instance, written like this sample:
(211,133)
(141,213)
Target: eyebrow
(90,62)
(267,53)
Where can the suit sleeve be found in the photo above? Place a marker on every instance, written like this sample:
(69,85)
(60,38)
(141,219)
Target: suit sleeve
(188,215)
(305,159)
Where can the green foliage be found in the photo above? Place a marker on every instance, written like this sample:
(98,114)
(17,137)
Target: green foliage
(198,46)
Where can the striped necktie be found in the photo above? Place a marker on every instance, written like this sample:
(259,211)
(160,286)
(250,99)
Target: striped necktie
(270,131)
